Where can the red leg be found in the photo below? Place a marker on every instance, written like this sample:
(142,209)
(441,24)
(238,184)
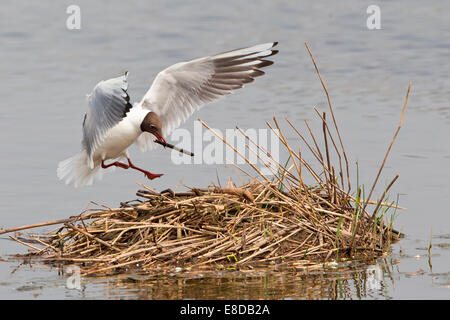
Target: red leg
(116,164)
(149,175)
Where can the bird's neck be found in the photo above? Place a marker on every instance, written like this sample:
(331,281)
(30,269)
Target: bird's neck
(136,115)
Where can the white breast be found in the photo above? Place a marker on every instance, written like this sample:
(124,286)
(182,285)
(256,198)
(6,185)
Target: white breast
(121,136)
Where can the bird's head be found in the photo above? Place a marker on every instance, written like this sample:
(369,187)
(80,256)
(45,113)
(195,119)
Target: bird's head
(152,124)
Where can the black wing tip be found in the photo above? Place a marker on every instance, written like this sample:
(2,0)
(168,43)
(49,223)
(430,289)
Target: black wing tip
(125,95)
(257,73)
(84,119)
(274,52)
(265,63)
(274,43)
(127,109)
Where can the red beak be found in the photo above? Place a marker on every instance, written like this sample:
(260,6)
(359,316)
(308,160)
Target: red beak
(160,138)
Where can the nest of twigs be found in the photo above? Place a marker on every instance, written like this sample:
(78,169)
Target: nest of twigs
(277,221)
(253,225)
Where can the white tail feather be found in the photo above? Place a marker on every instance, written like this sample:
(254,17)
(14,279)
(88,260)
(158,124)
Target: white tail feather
(76,170)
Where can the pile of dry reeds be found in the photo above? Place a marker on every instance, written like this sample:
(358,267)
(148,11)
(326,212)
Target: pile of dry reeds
(278,220)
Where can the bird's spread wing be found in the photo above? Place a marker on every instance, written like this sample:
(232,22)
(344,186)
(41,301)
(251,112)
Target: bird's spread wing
(108,105)
(185,87)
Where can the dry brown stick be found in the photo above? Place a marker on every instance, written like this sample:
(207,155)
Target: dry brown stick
(262,250)
(326,169)
(315,141)
(234,149)
(341,173)
(383,195)
(317,157)
(47,245)
(279,178)
(327,153)
(238,192)
(384,160)
(258,147)
(286,174)
(383,204)
(243,171)
(49,223)
(24,243)
(286,144)
(313,173)
(214,245)
(73,259)
(293,156)
(171,146)
(379,205)
(332,113)
(313,152)
(268,155)
(92,237)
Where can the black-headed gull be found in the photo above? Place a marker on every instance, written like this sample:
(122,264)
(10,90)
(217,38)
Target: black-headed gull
(112,124)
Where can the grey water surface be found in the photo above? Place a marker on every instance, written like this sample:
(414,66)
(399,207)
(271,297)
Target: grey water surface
(47,70)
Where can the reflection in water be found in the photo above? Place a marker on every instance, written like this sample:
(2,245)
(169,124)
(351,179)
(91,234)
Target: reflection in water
(346,282)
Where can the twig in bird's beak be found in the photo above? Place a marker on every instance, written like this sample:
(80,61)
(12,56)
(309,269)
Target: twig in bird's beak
(171,146)
(161,139)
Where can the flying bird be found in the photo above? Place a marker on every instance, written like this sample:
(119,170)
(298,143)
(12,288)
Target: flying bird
(112,124)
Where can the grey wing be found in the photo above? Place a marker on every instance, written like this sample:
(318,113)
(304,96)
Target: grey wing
(185,87)
(108,104)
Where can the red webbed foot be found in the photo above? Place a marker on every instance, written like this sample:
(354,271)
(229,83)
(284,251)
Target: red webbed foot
(152,176)
(148,174)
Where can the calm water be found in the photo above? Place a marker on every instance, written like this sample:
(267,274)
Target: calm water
(47,70)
